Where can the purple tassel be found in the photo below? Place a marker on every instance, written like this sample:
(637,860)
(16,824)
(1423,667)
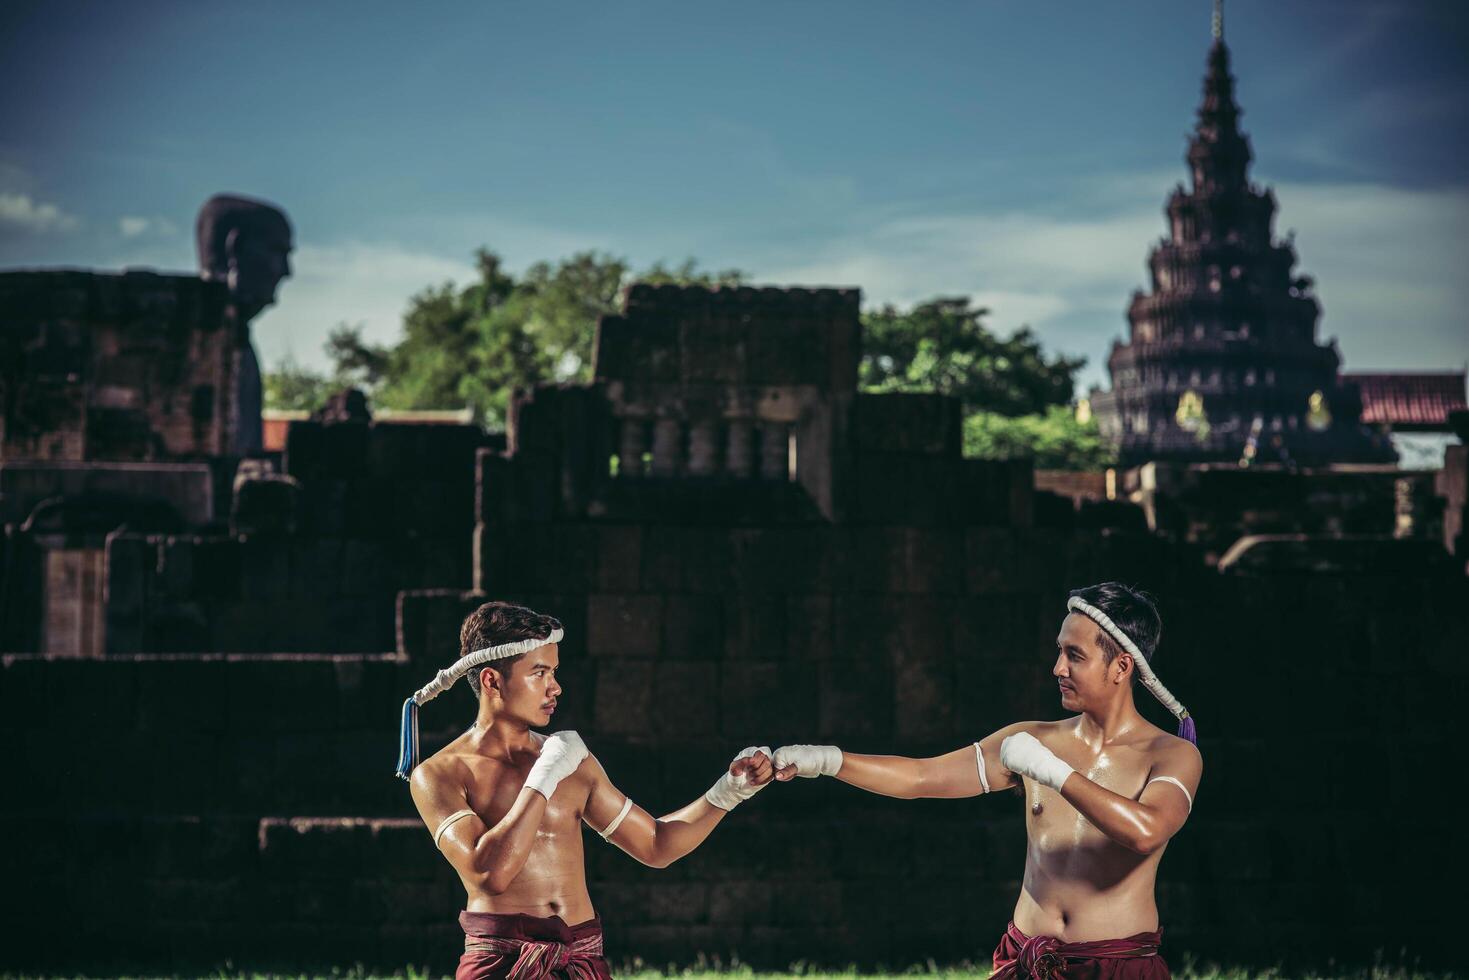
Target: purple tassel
(1187,730)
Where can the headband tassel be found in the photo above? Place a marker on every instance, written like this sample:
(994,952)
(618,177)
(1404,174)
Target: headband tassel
(445,679)
(1186,728)
(408,740)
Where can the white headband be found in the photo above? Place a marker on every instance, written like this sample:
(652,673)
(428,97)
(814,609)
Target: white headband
(1144,669)
(445,679)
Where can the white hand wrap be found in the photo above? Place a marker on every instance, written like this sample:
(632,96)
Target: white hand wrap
(730,790)
(810,760)
(1023,754)
(560,755)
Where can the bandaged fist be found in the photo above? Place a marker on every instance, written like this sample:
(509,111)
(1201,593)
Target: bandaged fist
(561,753)
(748,774)
(1023,754)
(806,760)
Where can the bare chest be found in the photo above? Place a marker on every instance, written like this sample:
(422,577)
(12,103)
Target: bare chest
(1053,824)
(497,786)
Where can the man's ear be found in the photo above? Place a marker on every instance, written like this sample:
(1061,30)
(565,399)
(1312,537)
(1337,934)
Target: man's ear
(1124,666)
(489,681)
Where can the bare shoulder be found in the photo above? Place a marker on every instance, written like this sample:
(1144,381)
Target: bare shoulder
(1173,753)
(439,777)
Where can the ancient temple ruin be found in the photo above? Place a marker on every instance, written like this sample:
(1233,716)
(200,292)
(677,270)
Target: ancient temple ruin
(1222,362)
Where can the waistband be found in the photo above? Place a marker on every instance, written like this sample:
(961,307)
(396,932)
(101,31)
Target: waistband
(1136,945)
(531,928)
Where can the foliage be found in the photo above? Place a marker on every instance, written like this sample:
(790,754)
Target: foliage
(1055,439)
(291,386)
(942,346)
(474,345)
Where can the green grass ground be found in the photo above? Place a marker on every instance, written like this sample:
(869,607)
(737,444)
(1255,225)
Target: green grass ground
(1187,970)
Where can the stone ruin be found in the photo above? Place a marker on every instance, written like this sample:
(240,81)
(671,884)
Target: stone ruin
(743,548)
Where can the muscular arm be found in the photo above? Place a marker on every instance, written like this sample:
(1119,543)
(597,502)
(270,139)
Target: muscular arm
(950,776)
(1145,824)
(475,849)
(656,842)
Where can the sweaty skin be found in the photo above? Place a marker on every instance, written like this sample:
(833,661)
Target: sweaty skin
(1093,848)
(522,853)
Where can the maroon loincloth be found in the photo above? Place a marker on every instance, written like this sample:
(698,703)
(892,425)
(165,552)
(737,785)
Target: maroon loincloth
(1021,957)
(526,947)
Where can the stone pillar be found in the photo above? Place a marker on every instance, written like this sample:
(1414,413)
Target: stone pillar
(774,451)
(738,451)
(632,443)
(703,448)
(667,447)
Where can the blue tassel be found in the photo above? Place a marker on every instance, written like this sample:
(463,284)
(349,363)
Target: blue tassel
(1187,730)
(408,740)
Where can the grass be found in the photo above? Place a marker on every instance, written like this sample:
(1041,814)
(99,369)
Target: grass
(1187,969)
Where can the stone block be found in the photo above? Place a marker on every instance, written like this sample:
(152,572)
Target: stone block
(624,625)
(766,703)
(619,557)
(693,627)
(754,627)
(907,423)
(809,627)
(856,700)
(624,698)
(685,698)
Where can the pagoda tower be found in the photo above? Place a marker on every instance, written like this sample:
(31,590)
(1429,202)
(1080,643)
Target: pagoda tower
(1222,362)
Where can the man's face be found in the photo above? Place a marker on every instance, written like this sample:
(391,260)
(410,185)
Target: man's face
(1081,667)
(257,264)
(528,688)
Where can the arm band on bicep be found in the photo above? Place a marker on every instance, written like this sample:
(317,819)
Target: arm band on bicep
(617,820)
(984,782)
(449,821)
(1170,779)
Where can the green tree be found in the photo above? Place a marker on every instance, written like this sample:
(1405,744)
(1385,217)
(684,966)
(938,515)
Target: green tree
(290,385)
(1054,439)
(942,346)
(476,344)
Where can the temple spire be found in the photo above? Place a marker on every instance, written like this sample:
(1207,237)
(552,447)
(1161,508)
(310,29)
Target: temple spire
(1218,23)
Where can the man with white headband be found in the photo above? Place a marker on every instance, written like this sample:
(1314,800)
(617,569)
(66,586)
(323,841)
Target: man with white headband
(1104,791)
(505,805)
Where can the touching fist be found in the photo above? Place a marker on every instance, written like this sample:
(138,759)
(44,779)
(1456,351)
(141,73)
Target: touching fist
(561,753)
(806,760)
(748,774)
(1022,753)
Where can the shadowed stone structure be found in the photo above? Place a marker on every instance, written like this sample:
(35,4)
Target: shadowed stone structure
(744,550)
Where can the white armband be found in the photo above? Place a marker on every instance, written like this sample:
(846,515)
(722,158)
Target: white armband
(984,783)
(617,820)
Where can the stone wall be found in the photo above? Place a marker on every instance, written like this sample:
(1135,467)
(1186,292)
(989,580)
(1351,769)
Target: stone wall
(892,597)
(97,366)
(215,818)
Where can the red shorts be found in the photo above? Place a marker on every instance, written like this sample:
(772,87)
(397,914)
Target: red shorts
(526,947)
(1022,957)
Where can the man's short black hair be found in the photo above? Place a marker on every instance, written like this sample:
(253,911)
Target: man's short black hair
(1131,609)
(495,623)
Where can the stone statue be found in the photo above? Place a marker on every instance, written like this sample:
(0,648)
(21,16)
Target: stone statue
(246,244)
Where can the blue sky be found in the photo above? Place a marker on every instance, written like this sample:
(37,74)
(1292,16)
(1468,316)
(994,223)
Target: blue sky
(1016,152)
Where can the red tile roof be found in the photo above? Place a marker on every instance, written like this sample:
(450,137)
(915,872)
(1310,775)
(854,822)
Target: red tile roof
(1421,399)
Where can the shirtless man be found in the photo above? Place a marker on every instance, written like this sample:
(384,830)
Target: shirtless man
(506,805)
(1104,792)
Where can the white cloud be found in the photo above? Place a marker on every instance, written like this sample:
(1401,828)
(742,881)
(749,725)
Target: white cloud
(24,212)
(356,282)
(1387,262)
(135,226)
